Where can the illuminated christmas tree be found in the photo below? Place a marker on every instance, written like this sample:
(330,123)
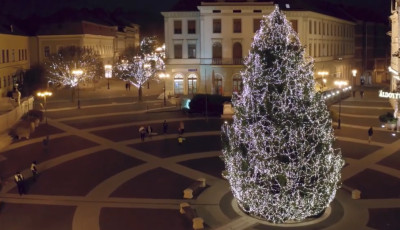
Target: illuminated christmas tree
(278,151)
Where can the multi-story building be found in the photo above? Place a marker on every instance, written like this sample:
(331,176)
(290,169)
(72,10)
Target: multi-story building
(106,40)
(14,57)
(205,47)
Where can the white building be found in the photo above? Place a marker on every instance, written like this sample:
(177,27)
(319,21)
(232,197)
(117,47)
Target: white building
(205,48)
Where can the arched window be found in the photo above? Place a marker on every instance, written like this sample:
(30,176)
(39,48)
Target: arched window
(237,84)
(192,84)
(237,54)
(217,83)
(217,53)
(178,84)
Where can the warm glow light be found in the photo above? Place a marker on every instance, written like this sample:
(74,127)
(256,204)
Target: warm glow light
(340,83)
(163,75)
(77,72)
(108,71)
(44,94)
(354,72)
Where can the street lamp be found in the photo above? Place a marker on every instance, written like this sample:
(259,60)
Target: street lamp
(45,94)
(108,74)
(340,84)
(354,72)
(323,74)
(78,73)
(164,76)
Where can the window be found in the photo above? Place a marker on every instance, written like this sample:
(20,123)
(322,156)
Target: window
(216,26)
(237,25)
(46,51)
(191,50)
(8,57)
(3,56)
(310,49)
(256,24)
(217,53)
(217,83)
(19,55)
(310,27)
(178,84)
(237,11)
(192,84)
(26,54)
(13,55)
(4,82)
(237,53)
(294,25)
(315,27)
(323,28)
(177,27)
(319,28)
(237,84)
(257,11)
(191,27)
(178,51)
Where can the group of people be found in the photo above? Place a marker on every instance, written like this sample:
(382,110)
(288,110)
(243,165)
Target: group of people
(20,180)
(149,130)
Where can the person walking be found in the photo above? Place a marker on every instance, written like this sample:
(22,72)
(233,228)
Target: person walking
(165,126)
(181,128)
(370,133)
(19,180)
(34,170)
(149,131)
(142,132)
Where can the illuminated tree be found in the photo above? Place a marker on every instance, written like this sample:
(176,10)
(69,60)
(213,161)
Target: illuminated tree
(278,151)
(59,66)
(137,69)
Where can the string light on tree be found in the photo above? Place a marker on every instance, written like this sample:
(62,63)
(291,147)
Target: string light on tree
(278,152)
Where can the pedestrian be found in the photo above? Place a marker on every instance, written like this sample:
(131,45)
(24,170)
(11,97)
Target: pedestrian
(126,86)
(45,143)
(181,128)
(34,170)
(165,126)
(149,131)
(370,133)
(180,140)
(142,132)
(19,180)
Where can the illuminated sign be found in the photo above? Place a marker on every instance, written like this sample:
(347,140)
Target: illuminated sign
(389,95)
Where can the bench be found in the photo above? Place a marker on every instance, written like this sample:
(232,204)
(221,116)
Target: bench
(191,214)
(194,188)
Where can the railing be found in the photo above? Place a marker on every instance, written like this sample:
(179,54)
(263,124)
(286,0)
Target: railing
(10,118)
(222,61)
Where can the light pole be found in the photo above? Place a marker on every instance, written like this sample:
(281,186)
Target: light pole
(78,73)
(340,84)
(45,94)
(323,74)
(354,72)
(108,74)
(164,76)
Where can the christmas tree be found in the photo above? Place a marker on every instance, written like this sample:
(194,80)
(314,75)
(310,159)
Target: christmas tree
(278,151)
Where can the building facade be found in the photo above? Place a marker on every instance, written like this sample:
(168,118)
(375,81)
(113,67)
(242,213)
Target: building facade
(14,60)
(205,48)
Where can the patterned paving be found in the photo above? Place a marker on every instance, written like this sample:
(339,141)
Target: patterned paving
(98,174)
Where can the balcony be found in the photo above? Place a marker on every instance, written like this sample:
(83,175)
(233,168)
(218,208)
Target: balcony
(222,61)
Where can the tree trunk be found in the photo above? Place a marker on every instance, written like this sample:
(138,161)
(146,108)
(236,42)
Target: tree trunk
(140,93)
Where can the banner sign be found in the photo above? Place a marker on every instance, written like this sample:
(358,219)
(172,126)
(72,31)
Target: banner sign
(389,95)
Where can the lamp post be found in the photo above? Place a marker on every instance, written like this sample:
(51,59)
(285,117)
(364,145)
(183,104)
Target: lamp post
(78,73)
(354,72)
(164,76)
(108,74)
(45,94)
(340,84)
(323,74)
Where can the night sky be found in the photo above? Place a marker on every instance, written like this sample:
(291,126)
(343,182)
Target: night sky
(147,12)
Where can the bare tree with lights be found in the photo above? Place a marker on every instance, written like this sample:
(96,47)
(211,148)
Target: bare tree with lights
(137,69)
(278,151)
(59,66)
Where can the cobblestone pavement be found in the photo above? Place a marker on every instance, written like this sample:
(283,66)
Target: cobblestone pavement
(97,174)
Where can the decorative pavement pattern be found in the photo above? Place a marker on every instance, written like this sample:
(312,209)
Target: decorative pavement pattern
(98,175)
